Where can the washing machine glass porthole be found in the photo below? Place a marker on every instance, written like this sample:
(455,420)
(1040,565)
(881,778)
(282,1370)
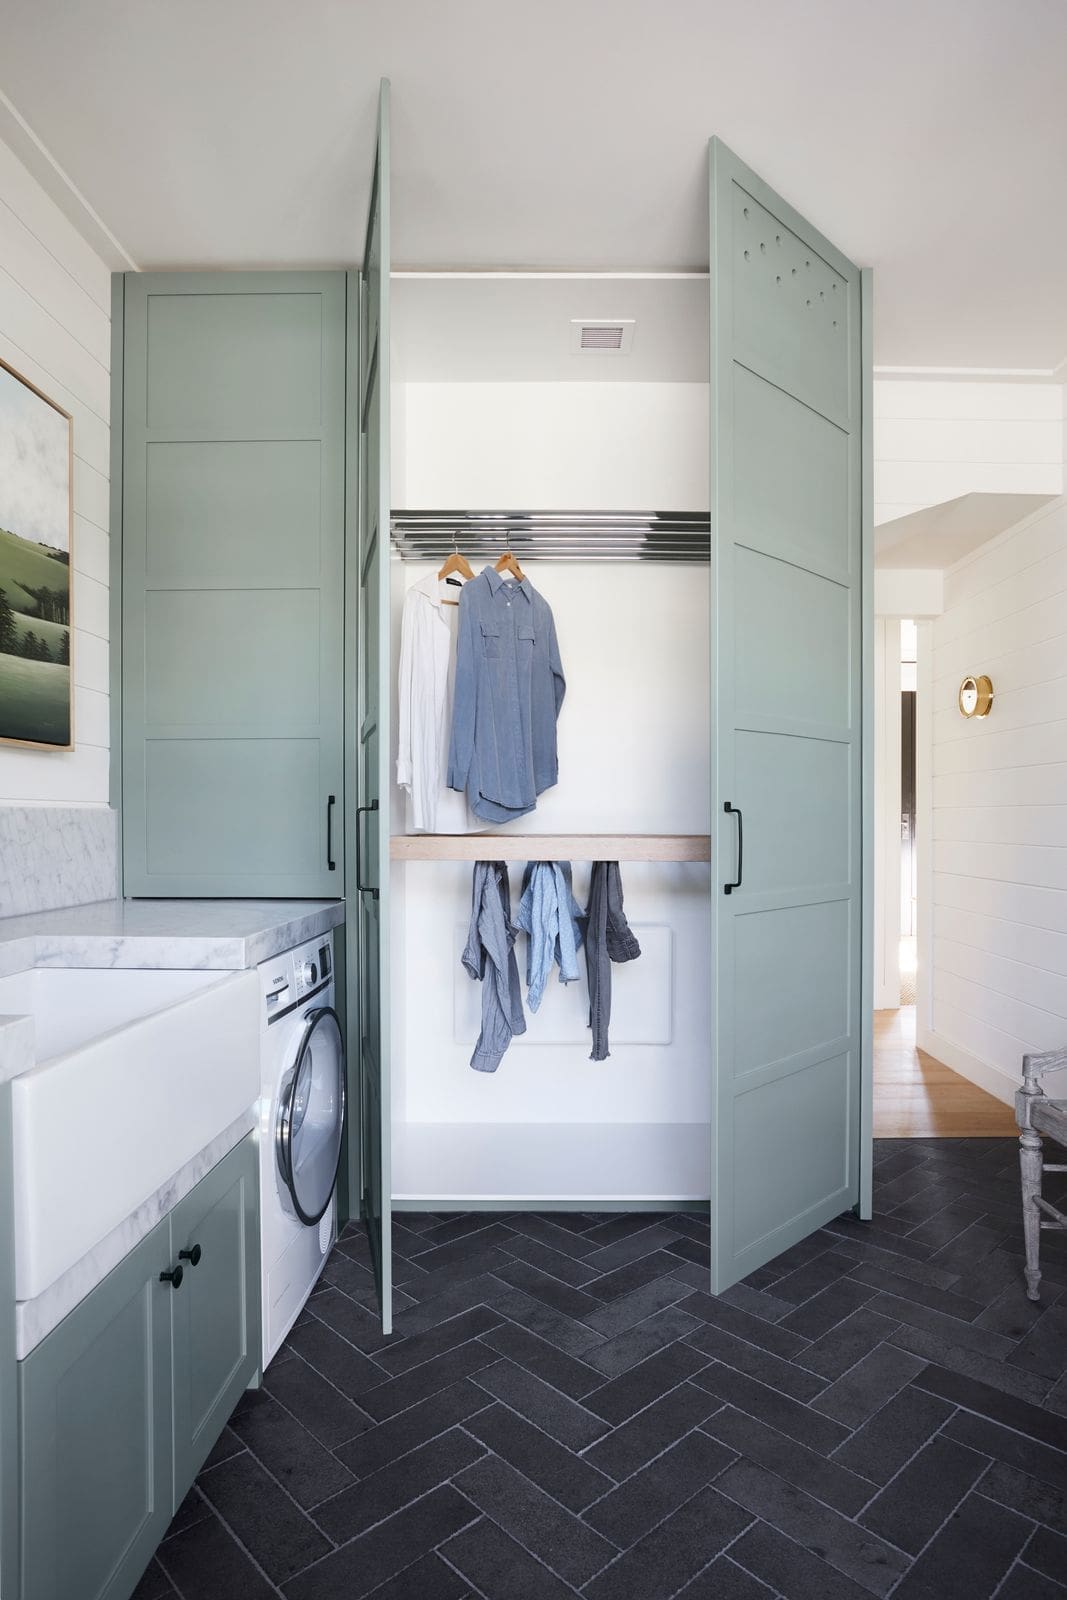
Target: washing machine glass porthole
(311,1117)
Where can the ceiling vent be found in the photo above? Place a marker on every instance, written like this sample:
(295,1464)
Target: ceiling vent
(602,336)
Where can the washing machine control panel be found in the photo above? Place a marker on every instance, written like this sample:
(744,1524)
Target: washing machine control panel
(289,978)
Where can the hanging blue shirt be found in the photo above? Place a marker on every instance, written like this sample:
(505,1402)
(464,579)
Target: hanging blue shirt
(549,914)
(509,688)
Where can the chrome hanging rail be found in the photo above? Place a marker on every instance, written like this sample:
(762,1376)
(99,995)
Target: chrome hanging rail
(675,536)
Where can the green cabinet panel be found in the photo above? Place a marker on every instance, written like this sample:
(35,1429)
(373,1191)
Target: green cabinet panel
(95,1422)
(789,571)
(233,506)
(121,1404)
(217,1308)
(367,751)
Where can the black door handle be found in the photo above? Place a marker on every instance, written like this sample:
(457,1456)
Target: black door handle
(735,811)
(173,1278)
(361,887)
(331,864)
(192,1256)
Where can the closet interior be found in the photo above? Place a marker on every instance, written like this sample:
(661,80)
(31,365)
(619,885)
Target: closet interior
(511,410)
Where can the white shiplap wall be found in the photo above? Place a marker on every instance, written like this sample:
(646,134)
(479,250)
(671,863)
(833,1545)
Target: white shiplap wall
(999,792)
(935,439)
(55,328)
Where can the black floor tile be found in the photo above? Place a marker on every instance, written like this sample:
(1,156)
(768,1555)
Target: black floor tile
(843,1490)
(1023,1583)
(564,1408)
(270,1526)
(570,1374)
(1047,1552)
(206,1562)
(559,1539)
(404,1354)
(998,1407)
(725,1580)
(1019,1492)
(564,1420)
(841,1542)
(372,1499)
(496,1565)
(865,1388)
(777,1410)
(385,1550)
(970,1556)
(789,1569)
(891,1437)
(154,1584)
(755,1362)
(634,1443)
(429,1378)
(631,1391)
(568,1478)
(914,1505)
(294,1456)
(677,1549)
(323,1410)
(379,1446)
(636,1506)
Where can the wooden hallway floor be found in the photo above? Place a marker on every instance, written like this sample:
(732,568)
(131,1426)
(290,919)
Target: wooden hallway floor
(917,1097)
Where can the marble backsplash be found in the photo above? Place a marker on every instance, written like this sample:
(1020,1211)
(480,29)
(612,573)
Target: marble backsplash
(54,856)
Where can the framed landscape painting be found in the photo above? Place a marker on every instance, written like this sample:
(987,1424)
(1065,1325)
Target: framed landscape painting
(36,524)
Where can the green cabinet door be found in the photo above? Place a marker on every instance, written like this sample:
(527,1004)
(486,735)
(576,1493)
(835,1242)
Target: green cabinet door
(368,733)
(233,408)
(789,574)
(214,1239)
(95,1426)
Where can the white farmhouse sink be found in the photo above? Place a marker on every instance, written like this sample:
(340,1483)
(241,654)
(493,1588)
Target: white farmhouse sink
(137,1071)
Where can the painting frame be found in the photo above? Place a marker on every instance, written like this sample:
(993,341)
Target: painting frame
(8,741)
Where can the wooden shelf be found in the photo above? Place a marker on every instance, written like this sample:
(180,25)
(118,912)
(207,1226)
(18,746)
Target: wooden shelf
(550,847)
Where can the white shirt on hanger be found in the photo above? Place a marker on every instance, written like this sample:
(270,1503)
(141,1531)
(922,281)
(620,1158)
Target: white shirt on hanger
(427,687)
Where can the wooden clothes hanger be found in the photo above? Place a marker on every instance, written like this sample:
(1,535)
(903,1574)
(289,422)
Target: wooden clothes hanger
(508,563)
(455,563)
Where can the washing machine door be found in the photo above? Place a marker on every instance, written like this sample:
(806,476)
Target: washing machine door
(311,1116)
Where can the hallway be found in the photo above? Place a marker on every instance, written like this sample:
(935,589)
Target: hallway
(916,1097)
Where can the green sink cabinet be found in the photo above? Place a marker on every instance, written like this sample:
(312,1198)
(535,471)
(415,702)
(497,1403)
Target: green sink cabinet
(217,1309)
(121,1404)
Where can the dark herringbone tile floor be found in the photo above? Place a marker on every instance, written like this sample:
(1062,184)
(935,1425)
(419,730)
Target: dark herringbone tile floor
(563,1410)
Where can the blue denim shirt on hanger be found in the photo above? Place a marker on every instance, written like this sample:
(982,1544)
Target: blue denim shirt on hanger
(509,688)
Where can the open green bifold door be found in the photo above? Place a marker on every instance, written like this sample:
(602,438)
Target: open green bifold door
(367,719)
(789,579)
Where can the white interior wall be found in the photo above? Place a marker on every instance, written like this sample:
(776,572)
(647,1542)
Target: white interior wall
(998,933)
(55,329)
(937,438)
(633,757)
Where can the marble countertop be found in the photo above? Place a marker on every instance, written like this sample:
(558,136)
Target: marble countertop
(227,935)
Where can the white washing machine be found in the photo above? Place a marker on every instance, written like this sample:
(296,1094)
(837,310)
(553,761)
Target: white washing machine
(301,1117)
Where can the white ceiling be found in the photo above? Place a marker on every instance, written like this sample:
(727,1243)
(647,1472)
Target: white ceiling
(927,138)
(940,535)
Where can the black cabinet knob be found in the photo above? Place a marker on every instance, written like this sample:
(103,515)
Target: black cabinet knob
(192,1256)
(173,1278)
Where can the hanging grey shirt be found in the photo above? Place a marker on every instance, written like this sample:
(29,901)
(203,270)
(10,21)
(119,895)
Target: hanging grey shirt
(490,956)
(608,938)
(509,688)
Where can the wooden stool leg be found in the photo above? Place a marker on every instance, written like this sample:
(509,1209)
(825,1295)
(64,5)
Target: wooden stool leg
(1030,1167)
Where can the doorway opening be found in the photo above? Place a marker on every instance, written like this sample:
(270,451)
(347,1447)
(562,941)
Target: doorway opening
(909,860)
(916,1096)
